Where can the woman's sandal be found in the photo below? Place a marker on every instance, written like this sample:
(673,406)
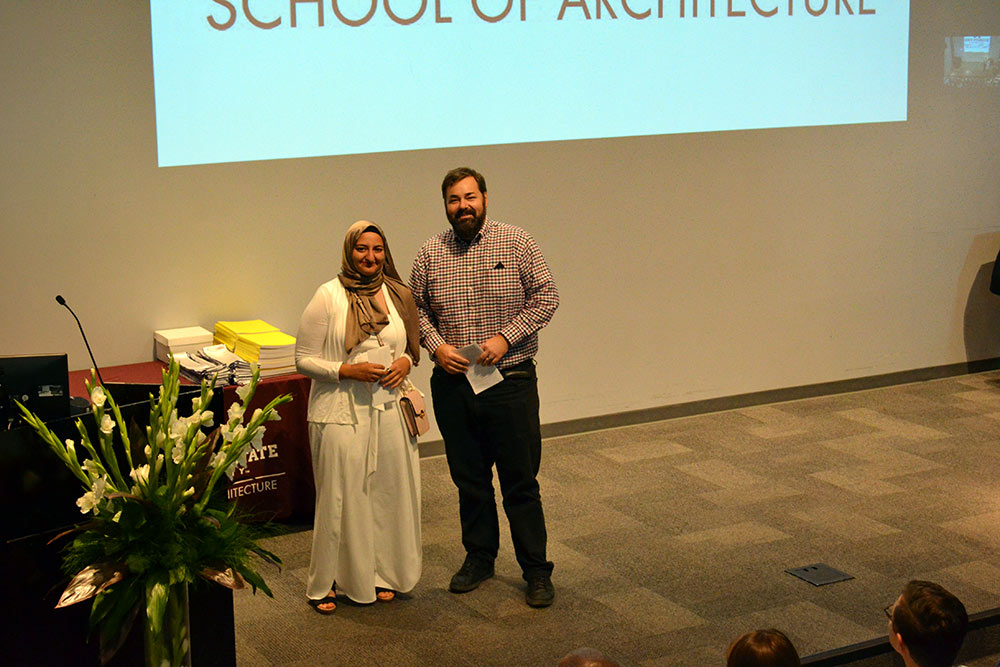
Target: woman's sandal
(329,599)
(384,594)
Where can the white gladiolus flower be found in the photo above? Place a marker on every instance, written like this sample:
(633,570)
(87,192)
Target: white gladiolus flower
(258,439)
(98,397)
(207,418)
(92,469)
(148,451)
(218,459)
(88,502)
(235,411)
(177,454)
(178,428)
(107,425)
(229,436)
(274,416)
(256,414)
(243,391)
(140,474)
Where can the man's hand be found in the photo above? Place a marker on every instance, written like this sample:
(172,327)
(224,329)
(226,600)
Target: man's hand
(493,350)
(450,360)
(364,372)
(398,370)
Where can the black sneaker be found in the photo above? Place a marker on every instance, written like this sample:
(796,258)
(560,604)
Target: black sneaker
(473,572)
(540,591)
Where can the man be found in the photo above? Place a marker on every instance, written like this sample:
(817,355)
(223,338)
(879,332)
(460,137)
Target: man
(486,283)
(927,625)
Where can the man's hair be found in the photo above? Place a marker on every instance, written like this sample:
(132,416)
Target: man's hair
(586,657)
(459,173)
(932,623)
(763,648)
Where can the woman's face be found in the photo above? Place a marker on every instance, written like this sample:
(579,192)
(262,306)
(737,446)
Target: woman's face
(368,254)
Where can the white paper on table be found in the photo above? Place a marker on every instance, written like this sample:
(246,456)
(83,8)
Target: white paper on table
(380,355)
(480,377)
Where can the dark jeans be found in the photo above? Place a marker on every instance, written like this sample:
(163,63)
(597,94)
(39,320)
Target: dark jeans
(498,427)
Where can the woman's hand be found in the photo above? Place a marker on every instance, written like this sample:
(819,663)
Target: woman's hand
(397,372)
(363,372)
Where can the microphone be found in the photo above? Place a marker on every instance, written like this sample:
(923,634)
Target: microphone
(62,302)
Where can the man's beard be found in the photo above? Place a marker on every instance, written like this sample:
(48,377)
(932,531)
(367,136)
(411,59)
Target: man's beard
(467,228)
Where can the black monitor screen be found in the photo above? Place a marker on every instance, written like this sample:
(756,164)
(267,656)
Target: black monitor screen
(39,382)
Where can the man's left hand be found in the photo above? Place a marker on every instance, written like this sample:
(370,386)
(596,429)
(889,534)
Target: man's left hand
(493,350)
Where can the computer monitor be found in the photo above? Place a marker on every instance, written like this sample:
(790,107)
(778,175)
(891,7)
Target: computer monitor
(39,382)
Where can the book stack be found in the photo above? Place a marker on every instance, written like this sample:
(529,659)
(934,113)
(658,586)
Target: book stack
(274,351)
(259,342)
(227,332)
(177,341)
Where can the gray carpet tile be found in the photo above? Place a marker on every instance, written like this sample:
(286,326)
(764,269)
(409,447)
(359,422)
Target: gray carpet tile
(672,538)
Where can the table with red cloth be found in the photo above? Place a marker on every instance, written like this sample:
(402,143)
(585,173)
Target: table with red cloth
(277,482)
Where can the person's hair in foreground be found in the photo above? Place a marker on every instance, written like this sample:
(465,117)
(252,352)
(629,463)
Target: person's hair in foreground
(763,648)
(927,624)
(586,657)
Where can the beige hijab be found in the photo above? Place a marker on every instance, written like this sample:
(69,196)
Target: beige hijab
(365,317)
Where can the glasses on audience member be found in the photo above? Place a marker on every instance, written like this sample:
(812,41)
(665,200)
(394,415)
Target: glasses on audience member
(888,611)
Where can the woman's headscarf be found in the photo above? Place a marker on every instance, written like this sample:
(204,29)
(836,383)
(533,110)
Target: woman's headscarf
(364,316)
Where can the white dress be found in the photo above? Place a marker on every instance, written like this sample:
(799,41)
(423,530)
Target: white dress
(366,530)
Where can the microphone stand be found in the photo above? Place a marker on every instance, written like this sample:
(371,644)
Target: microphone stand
(62,302)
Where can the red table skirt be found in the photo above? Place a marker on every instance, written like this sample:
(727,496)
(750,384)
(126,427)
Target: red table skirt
(278,481)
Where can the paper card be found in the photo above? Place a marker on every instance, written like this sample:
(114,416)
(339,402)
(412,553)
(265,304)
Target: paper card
(480,377)
(380,355)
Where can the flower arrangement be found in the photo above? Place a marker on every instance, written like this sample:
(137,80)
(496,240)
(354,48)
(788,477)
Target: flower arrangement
(155,524)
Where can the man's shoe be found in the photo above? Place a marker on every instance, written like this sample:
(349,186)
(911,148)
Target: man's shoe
(540,592)
(473,572)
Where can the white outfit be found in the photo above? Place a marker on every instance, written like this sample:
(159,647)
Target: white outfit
(366,531)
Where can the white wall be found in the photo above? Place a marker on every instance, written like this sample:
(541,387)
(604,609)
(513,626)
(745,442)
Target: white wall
(690,266)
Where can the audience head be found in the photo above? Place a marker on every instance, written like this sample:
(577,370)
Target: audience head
(586,657)
(763,648)
(927,625)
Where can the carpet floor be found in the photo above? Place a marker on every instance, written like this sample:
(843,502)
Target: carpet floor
(671,538)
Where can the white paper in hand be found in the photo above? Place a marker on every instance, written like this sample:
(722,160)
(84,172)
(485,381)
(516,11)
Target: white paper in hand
(380,355)
(480,377)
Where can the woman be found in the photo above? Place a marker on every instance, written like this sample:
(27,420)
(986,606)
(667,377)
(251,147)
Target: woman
(357,341)
(763,648)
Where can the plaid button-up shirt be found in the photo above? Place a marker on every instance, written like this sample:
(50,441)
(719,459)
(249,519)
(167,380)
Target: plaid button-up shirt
(469,291)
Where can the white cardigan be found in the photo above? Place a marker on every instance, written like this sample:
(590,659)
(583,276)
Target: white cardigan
(320,350)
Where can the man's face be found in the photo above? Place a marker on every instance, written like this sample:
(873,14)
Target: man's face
(465,207)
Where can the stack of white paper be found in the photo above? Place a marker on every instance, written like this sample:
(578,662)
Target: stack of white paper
(239,369)
(197,368)
(184,339)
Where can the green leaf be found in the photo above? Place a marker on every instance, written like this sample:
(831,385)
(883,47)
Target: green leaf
(256,581)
